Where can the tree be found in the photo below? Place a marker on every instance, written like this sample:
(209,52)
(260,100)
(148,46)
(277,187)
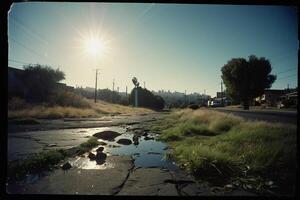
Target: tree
(135,82)
(146,98)
(247,79)
(40,81)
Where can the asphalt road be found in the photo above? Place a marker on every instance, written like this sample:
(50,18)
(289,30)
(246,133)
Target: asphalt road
(287,117)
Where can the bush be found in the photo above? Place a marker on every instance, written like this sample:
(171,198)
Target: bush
(16,103)
(193,106)
(69,99)
(146,99)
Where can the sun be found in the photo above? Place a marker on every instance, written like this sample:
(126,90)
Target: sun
(94,46)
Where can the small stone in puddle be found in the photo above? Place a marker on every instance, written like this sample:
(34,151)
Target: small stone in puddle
(148,138)
(107,135)
(154,153)
(124,141)
(91,156)
(100,158)
(100,149)
(113,146)
(102,143)
(145,133)
(135,140)
(66,166)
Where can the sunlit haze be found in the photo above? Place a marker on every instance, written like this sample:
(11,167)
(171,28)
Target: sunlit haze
(174,47)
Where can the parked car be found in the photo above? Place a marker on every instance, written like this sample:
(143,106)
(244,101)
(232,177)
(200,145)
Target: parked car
(216,103)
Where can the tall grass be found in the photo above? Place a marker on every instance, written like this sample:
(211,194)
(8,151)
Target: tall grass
(72,106)
(105,107)
(51,112)
(216,145)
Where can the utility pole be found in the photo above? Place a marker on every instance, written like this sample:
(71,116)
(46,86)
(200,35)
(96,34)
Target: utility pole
(222,93)
(136,96)
(118,89)
(144,84)
(113,84)
(96,84)
(126,90)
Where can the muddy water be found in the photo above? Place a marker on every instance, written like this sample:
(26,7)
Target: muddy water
(149,152)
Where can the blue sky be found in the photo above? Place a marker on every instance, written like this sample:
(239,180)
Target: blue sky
(169,46)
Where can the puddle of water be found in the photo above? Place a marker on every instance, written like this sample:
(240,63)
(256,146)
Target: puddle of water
(86,163)
(148,153)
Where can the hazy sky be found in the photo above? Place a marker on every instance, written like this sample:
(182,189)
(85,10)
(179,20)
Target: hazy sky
(169,46)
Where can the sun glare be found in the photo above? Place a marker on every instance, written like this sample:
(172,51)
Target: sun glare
(94,46)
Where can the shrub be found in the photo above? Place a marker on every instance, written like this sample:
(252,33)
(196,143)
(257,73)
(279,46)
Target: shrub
(16,103)
(193,106)
(69,99)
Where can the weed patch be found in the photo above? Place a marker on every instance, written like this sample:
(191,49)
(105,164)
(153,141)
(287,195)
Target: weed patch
(217,146)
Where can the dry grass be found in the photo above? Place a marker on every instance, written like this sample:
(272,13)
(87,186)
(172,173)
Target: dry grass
(104,107)
(52,112)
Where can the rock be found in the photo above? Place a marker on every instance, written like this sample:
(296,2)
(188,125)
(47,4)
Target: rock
(107,135)
(136,154)
(91,156)
(100,158)
(66,166)
(145,133)
(135,140)
(113,146)
(51,145)
(148,138)
(124,141)
(154,153)
(100,149)
(102,143)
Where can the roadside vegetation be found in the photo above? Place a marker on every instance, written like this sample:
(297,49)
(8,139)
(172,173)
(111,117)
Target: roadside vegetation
(39,94)
(225,149)
(68,105)
(46,160)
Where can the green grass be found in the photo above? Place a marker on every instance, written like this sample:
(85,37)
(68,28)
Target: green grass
(46,160)
(217,146)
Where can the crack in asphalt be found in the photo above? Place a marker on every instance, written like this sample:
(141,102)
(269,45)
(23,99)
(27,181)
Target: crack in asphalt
(120,187)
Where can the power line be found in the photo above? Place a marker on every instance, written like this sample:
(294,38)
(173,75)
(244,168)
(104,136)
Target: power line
(19,61)
(29,30)
(32,51)
(291,69)
(287,76)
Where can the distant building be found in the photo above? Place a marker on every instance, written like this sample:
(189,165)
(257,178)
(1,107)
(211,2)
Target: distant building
(63,87)
(270,97)
(288,99)
(15,83)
